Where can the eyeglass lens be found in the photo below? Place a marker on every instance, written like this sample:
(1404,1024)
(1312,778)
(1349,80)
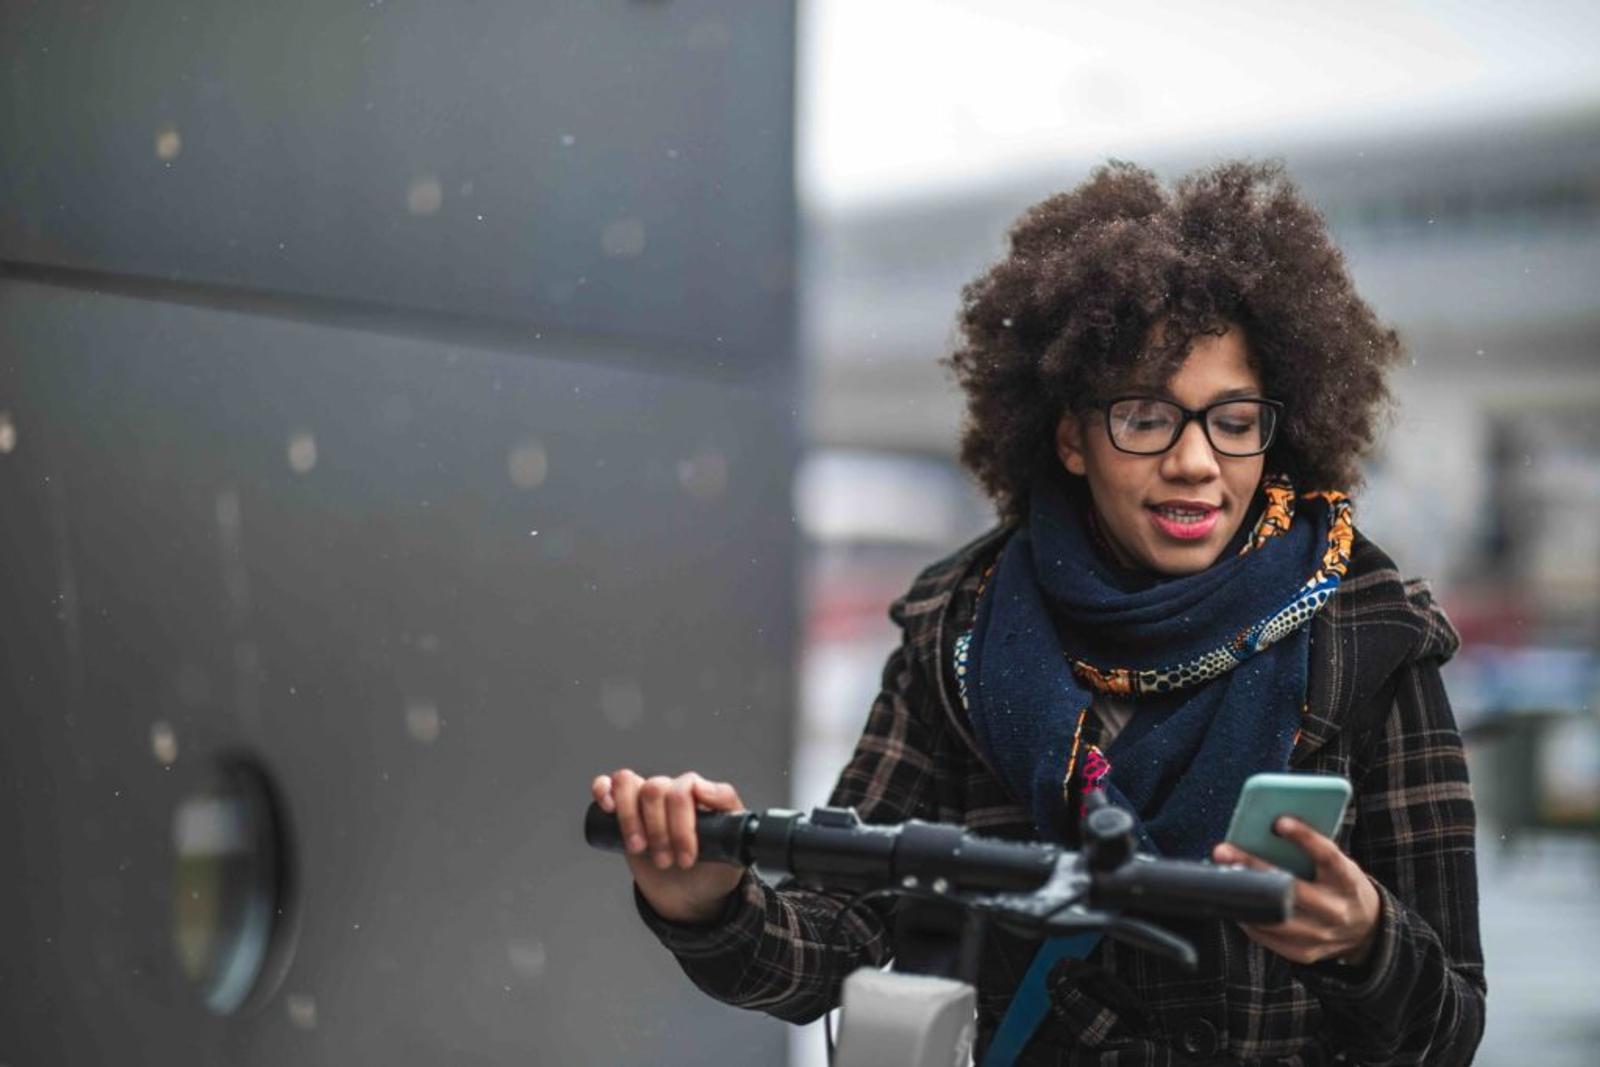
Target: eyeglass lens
(1149,426)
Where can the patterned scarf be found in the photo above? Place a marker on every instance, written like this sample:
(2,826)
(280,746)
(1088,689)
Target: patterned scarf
(1216,663)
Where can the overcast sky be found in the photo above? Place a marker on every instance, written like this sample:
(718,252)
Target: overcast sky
(898,95)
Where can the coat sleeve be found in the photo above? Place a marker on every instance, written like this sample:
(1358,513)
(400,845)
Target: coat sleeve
(1420,996)
(769,949)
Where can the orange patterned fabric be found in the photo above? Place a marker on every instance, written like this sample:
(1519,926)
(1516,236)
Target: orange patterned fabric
(1275,520)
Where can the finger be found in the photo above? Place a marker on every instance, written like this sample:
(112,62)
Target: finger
(1329,860)
(653,813)
(625,787)
(1267,936)
(1295,932)
(680,819)
(1233,854)
(600,788)
(716,796)
(1266,933)
(1317,916)
(1297,929)
(1318,902)
(1291,947)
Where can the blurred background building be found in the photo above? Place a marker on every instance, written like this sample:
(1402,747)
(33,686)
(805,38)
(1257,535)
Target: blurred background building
(1455,152)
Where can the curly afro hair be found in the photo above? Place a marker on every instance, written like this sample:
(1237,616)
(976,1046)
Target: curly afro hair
(1069,319)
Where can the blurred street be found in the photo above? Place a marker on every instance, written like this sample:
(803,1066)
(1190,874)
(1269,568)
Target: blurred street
(1541,937)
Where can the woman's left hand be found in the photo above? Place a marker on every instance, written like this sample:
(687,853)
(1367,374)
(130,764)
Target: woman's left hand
(1335,917)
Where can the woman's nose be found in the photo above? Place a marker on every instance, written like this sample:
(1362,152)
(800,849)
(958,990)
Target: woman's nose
(1191,458)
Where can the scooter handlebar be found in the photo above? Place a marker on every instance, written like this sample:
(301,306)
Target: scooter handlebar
(1172,887)
(722,835)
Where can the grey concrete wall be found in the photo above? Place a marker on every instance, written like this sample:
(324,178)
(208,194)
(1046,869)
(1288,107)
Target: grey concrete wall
(433,516)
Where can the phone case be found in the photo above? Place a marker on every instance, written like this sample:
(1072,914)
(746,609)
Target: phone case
(1318,800)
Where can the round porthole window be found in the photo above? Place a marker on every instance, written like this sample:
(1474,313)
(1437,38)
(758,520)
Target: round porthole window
(231,885)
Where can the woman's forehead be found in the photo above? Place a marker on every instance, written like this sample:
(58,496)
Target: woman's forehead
(1213,367)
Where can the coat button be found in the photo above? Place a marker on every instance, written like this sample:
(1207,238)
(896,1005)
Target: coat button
(1198,1038)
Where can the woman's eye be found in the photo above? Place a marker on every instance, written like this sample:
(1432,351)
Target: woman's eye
(1235,427)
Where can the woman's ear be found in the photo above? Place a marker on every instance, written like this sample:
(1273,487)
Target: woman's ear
(1069,444)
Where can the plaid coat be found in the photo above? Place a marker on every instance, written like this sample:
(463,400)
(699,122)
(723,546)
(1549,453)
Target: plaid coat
(1377,714)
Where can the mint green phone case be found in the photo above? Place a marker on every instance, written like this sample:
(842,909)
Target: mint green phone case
(1318,800)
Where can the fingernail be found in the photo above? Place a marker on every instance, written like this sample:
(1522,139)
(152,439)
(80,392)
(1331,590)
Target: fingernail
(636,843)
(685,859)
(663,860)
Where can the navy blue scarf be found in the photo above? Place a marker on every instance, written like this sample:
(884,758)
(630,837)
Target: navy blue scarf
(1216,663)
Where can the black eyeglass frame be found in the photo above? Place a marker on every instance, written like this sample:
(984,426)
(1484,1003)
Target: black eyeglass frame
(1200,416)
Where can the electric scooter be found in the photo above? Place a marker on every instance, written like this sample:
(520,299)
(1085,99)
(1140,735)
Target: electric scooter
(954,885)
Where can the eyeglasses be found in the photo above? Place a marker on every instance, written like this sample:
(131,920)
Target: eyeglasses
(1147,426)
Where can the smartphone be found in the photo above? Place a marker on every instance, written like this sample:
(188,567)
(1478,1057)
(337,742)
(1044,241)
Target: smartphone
(1318,800)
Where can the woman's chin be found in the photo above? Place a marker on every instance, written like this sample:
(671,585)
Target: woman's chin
(1175,561)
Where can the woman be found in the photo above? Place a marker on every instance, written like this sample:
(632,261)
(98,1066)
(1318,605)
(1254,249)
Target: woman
(1168,394)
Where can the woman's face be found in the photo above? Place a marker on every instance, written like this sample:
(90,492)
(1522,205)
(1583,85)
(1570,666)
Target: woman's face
(1171,513)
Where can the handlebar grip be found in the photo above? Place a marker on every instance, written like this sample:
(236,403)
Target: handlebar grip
(1195,889)
(721,835)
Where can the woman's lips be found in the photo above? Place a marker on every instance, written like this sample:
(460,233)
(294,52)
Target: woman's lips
(1186,522)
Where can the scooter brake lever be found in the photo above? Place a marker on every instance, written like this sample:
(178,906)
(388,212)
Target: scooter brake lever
(1152,938)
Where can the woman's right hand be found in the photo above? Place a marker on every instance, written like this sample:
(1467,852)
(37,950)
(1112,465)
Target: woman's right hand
(656,818)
